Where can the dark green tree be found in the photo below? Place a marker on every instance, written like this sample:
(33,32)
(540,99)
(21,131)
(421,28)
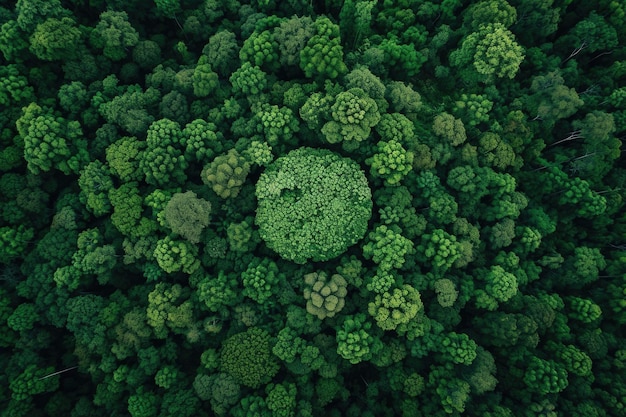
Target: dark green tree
(114,35)
(187,215)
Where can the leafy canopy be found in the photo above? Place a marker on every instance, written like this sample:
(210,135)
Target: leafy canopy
(313,204)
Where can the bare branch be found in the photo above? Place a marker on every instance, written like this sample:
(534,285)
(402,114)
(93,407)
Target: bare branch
(575,52)
(58,372)
(576,134)
(600,55)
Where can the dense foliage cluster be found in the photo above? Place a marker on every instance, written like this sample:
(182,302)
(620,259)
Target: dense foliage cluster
(269,208)
(312,204)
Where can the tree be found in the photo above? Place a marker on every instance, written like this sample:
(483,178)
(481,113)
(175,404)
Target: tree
(11,157)
(132,336)
(353,115)
(591,34)
(224,392)
(281,399)
(32,12)
(187,215)
(204,79)
(299,355)
(355,18)
(312,204)
(279,124)
(166,376)
(226,174)
(355,342)
(395,19)
(529,239)
(395,207)
(502,234)
(143,404)
(473,108)
(545,376)
(247,357)
(391,162)
(481,373)
(23,317)
(169,308)
(51,142)
(248,80)
(575,360)
(443,209)
(574,192)
(73,97)
(325,297)
(219,292)
(95,183)
(581,268)
(13,40)
(490,11)
(539,20)
(31,382)
(84,322)
(168,8)
(583,309)
(459,348)
(261,280)
(404,59)
(176,255)
(323,54)
(181,402)
(114,35)
(250,405)
(241,236)
(14,240)
(452,392)
(123,157)
(600,148)
(396,126)
(315,111)
(261,50)
(174,106)
(147,54)
(438,248)
(500,286)
(495,152)
(55,39)
(403,99)
(449,128)
(127,216)
(387,248)
(222,51)
(492,51)
(551,99)
(292,36)
(129,108)
(203,140)
(259,153)
(507,330)
(163,162)
(446,292)
(382,281)
(94,256)
(395,307)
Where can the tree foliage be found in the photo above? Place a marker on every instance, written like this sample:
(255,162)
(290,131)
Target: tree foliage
(295,215)
(299,208)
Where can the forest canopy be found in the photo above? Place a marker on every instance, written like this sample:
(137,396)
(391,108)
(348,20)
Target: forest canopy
(312,208)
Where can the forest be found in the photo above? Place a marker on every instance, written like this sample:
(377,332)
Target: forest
(298,208)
